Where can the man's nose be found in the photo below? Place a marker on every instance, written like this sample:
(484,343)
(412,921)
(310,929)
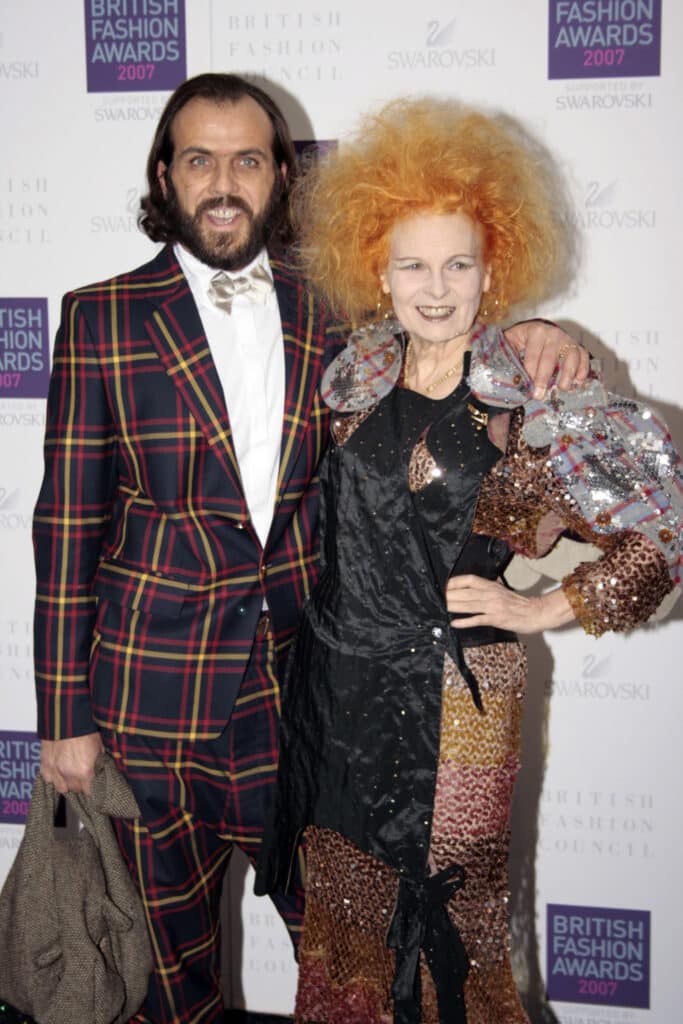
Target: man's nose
(224,180)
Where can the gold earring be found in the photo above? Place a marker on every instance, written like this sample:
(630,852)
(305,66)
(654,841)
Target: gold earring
(384,309)
(486,311)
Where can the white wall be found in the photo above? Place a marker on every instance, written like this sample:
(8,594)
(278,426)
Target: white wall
(597,820)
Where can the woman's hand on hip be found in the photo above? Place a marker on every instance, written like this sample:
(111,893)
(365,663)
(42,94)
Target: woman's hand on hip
(490,603)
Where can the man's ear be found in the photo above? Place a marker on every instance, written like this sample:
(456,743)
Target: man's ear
(161,177)
(284,170)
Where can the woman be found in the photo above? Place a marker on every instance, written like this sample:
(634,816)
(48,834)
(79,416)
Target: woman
(401,719)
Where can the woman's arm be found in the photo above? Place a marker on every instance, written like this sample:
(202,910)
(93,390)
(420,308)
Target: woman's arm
(524,501)
(489,603)
(619,591)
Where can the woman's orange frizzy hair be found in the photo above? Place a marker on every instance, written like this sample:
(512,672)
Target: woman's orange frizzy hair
(434,156)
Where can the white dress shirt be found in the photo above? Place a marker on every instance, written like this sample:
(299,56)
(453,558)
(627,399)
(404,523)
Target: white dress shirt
(248,350)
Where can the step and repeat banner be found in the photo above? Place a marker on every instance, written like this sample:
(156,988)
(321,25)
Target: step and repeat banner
(597,913)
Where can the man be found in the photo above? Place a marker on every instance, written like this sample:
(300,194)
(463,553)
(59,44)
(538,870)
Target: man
(176,528)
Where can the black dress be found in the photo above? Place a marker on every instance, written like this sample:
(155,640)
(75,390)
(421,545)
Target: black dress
(362,706)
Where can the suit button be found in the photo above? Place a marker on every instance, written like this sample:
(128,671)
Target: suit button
(239,525)
(241,610)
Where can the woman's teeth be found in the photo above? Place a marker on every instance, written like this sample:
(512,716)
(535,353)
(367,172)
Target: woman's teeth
(435,312)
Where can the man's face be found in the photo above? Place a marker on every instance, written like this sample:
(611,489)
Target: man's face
(222,186)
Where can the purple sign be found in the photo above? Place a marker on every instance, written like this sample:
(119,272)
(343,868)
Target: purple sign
(604,38)
(309,148)
(24,348)
(19,766)
(599,955)
(135,45)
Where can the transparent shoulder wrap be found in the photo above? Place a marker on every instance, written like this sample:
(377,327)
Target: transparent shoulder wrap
(614,455)
(367,369)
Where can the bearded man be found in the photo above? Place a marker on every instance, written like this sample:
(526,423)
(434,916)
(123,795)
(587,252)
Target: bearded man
(176,528)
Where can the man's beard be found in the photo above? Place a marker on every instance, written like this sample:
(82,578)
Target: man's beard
(220,251)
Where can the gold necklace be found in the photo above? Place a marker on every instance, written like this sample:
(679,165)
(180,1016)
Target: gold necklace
(446,376)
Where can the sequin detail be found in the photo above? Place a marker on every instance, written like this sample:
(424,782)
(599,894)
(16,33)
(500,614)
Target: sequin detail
(346,970)
(523,501)
(343,427)
(422,468)
(614,456)
(367,369)
(621,590)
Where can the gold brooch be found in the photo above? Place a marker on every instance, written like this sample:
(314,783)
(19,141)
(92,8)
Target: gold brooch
(480,417)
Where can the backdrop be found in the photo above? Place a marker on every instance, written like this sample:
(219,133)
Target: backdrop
(597,913)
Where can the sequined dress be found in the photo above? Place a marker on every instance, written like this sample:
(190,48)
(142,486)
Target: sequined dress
(400,735)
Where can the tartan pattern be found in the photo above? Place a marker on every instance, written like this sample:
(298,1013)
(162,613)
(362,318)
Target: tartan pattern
(196,800)
(150,577)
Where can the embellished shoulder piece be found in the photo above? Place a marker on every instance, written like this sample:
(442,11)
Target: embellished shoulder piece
(613,456)
(367,369)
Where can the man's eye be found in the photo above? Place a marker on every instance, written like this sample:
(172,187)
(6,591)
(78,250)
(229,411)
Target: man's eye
(249,161)
(199,161)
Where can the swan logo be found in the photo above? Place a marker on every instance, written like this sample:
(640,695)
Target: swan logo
(595,682)
(598,955)
(24,348)
(602,210)
(11,515)
(19,766)
(441,52)
(604,38)
(123,220)
(440,35)
(135,45)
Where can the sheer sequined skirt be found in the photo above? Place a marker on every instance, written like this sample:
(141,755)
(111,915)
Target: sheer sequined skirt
(345,968)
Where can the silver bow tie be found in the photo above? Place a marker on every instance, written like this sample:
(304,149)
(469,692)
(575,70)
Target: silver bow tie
(257,285)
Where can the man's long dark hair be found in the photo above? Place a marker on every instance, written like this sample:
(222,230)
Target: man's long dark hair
(153,217)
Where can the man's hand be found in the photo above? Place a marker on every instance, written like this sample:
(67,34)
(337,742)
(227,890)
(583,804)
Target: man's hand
(545,347)
(70,764)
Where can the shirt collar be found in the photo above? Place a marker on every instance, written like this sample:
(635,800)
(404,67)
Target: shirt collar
(199,274)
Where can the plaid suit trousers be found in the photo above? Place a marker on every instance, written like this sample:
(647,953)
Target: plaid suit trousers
(197,801)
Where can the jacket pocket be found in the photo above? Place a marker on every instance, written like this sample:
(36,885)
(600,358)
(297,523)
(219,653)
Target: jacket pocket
(149,592)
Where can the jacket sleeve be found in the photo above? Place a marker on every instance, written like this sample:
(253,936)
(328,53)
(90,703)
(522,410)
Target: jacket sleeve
(622,589)
(528,503)
(70,522)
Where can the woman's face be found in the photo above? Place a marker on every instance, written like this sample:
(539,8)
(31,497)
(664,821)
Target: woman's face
(436,275)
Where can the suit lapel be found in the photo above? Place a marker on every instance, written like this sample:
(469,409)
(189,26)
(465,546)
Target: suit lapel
(303,348)
(176,331)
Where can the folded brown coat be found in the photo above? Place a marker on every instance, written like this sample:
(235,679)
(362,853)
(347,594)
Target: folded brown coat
(73,937)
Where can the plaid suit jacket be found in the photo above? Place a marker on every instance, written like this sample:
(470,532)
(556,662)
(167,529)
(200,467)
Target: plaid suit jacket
(150,576)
